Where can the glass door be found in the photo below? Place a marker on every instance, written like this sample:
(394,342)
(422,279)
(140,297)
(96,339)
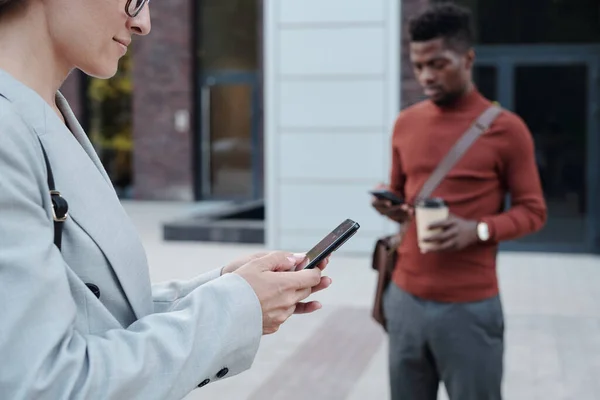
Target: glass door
(555,90)
(230,148)
(229,145)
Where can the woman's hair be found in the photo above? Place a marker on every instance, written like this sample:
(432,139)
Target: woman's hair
(9,5)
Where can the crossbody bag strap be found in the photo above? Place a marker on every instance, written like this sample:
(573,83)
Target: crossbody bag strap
(481,125)
(60,207)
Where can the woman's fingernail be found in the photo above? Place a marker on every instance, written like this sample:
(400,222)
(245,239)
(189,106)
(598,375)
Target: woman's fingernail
(300,256)
(292,260)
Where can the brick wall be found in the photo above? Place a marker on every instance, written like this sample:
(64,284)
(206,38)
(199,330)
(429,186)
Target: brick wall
(411,91)
(163,85)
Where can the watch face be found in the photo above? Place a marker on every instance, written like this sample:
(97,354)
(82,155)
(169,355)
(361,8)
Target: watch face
(483,231)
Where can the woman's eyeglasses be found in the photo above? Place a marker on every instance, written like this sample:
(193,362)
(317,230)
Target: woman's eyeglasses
(133,7)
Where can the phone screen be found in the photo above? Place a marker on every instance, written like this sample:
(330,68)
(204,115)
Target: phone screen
(331,242)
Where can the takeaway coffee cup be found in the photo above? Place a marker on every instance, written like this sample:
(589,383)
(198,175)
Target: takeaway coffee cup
(428,211)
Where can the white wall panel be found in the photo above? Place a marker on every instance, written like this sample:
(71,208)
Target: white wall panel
(332,92)
(332,11)
(331,103)
(347,51)
(306,206)
(332,156)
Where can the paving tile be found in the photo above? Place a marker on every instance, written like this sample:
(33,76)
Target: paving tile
(327,365)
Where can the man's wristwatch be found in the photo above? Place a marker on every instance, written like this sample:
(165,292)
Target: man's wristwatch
(483,232)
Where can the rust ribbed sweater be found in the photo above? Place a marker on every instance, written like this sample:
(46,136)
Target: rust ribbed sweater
(501,161)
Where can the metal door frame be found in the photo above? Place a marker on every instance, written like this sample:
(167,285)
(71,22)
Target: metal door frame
(505,58)
(206,82)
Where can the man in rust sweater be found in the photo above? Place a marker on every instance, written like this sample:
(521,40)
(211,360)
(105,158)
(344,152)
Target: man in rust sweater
(443,310)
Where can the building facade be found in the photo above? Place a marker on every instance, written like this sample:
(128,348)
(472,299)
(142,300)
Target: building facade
(293,101)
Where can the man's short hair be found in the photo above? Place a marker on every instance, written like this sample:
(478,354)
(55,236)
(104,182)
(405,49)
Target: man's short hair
(445,20)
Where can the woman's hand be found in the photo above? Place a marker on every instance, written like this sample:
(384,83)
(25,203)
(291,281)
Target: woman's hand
(280,288)
(305,308)
(301,308)
(235,264)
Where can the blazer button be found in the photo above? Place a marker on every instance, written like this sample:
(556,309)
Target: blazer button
(204,383)
(222,373)
(95,289)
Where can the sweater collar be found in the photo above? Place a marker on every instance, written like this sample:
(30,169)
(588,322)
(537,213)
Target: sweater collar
(465,102)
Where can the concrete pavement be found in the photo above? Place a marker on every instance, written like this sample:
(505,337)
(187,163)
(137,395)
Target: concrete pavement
(551,301)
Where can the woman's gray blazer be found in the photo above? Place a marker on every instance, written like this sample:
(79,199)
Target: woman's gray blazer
(57,339)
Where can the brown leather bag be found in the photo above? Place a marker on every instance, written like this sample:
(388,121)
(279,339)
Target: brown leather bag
(385,254)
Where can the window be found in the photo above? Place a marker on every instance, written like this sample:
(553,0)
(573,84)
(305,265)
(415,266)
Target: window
(535,21)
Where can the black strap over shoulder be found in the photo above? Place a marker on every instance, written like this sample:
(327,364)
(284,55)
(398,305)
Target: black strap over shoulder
(60,207)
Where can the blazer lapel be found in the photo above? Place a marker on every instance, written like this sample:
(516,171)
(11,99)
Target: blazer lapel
(77,131)
(83,182)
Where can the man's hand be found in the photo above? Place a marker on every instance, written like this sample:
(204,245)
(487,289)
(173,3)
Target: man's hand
(401,213)
(456,234)
(280,288)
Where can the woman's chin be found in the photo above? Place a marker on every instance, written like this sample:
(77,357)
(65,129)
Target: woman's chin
(105,71)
